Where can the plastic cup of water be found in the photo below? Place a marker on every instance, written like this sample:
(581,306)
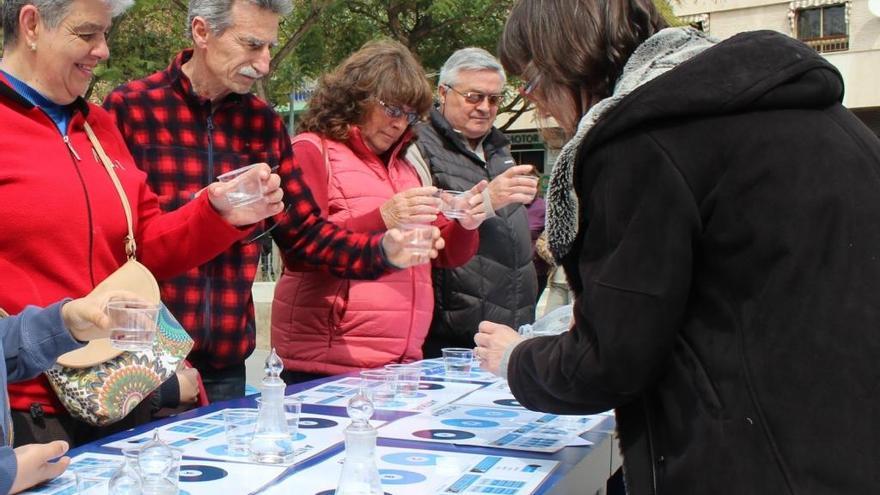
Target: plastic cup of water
(380,386)
(418,238)
(240,426)
(458,360)
(133,324)
(408,377)
(92,479)
(244,185)
(454,204)
(292,411)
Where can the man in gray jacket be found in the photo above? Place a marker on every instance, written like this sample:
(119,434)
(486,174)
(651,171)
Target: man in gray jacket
(458,148)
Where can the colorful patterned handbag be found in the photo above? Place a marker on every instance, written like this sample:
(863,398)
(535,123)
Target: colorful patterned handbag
(100,384)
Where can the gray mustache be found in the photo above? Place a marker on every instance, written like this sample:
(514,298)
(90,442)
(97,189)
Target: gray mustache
(250,72)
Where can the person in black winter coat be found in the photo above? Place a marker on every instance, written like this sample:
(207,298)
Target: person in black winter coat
(723,244)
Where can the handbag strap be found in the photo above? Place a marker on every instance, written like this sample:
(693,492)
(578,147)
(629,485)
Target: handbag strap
(130,244)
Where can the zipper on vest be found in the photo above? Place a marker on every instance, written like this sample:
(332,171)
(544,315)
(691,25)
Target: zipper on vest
(73,152)
(208,317)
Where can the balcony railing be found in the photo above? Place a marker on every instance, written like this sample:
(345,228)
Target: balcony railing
(829,43)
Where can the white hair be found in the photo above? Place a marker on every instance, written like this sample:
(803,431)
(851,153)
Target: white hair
(52,12)
(467,59)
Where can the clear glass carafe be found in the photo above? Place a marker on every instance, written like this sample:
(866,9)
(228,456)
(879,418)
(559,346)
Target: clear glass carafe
(159,466)
(272,443)
(360,472)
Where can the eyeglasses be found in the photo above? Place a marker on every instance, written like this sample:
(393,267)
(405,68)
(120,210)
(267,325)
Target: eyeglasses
(526,89)
(396,112)
(475,98)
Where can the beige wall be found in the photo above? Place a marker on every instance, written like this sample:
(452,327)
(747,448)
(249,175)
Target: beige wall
(860,65)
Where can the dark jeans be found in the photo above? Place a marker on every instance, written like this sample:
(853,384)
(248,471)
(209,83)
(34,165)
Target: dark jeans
(223,384)
(38,427)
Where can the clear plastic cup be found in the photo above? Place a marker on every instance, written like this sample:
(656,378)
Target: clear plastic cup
(245,186)
(454,204)
(240,426)
(408,378)
(458,360)
(292,411)
(418,238)
(133,324)
(380,386)
(93,479)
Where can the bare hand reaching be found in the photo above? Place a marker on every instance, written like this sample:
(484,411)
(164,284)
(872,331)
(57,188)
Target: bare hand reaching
(515,185)
(492,341)
(395,246)
(85,317)
(271,203)
(416,205)
(477,212)
(34,466)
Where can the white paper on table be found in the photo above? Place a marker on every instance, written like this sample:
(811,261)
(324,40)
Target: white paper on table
(419,472)
(483,426)
(197,477)
(205,436)
(430,394)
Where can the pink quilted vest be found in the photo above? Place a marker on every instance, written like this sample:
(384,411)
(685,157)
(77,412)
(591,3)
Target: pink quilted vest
(327,325)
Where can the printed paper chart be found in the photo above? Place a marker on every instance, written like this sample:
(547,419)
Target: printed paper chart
(421,472)
(499,395)
(430,394)
(484,426)
(205,436)
(197,477)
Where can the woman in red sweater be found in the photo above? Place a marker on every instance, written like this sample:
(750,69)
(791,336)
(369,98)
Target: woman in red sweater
(61,215)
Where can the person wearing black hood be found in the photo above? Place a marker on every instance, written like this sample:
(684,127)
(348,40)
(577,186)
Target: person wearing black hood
(723,244)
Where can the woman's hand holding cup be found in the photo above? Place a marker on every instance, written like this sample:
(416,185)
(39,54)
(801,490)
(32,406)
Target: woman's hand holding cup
(413,206)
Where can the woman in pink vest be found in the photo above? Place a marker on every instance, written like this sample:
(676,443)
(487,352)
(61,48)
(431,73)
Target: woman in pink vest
(351,154)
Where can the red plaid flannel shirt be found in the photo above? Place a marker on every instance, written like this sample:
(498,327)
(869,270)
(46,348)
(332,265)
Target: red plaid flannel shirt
(184,142)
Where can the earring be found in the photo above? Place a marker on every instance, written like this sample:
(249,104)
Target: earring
(33,46)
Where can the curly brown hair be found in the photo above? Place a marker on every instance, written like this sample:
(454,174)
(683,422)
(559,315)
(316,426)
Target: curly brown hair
(380,70)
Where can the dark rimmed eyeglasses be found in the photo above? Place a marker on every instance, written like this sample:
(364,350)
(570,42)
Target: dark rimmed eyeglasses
(475,98)
(526,89)
(395,112)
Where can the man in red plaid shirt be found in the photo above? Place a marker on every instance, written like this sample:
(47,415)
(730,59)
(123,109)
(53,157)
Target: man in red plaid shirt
(197,119)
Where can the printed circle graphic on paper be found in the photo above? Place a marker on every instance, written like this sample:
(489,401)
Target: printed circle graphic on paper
(430,386)
(411,459)
(443,434)
(315,423)
(470,423)
(491,413)
(197,472)
(398,477)
(508,403)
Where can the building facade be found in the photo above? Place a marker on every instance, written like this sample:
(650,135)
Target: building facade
(847,33)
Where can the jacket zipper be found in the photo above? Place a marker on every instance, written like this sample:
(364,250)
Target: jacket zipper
(74,157)
(66,140)
(208,319)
